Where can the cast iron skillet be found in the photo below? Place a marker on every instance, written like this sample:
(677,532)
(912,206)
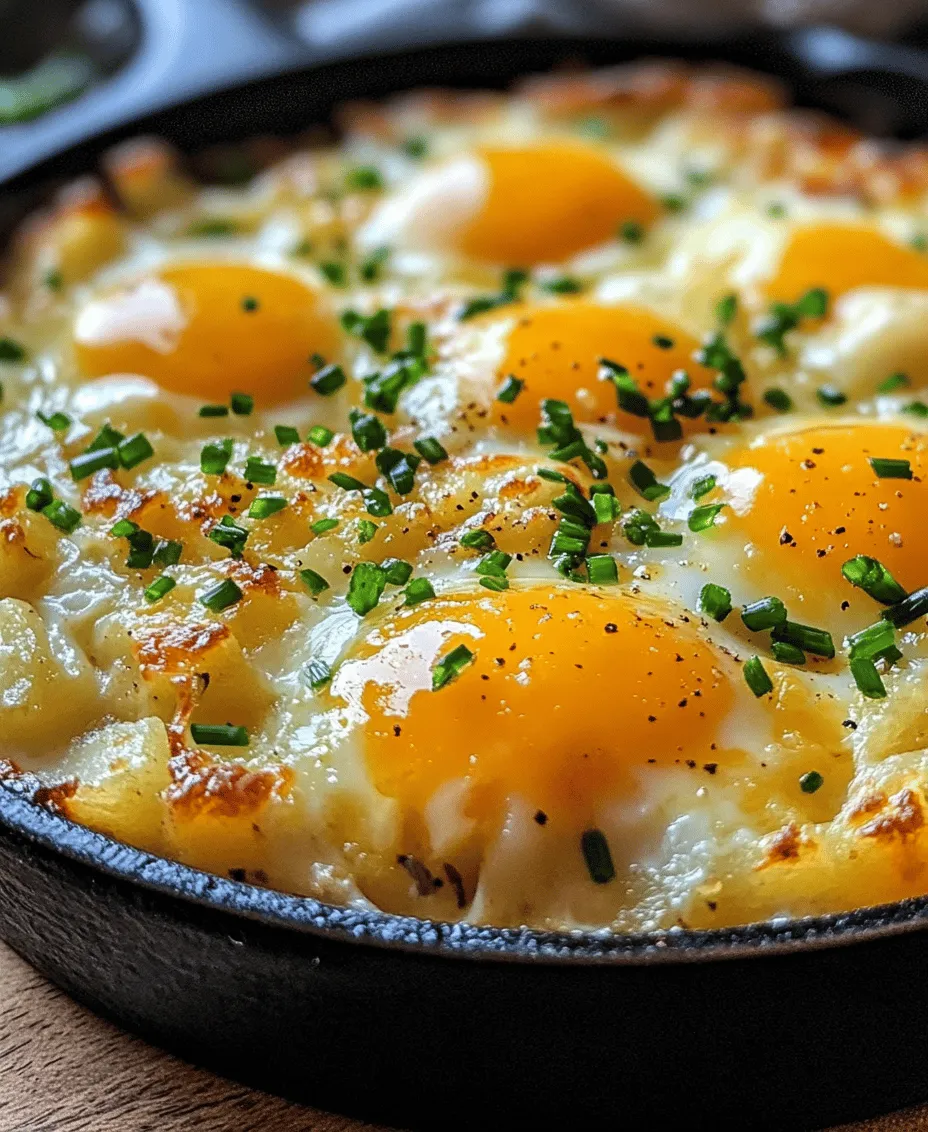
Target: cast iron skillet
(780,1025)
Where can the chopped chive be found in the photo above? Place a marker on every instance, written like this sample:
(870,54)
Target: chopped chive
(662,539)
(552,476)
(364,178)
(242,404)
(123,528)
(510,389)
(229,535)
(212,226)
(870,575)
(39,495)
(265,506)
(11,350)
(606,507)
(90,462)
(763,614)
(167,552)
(629,397)
(494,563)
(286,434)
(893,382)
(377,502)
(373,329)
(776,209)
(141,550)
(430,449)
(451,666)
(810,782)
(662,342)
(53,279)
(220,596)
(63,516)
(135,450)
(314,582)
(726,309)
(159,588)
(417,339)
(891,469)
(916,409)
(495,582)
(57,422)
(829,395)
(871,642)
(328,380)
(561,285)
(219,734)
(756,677)
(215,457)
(703,486)
(318,674)
(366,587)
(419,589)
(477,540)
(806,637)
(320,435)
(373,264)
(644,481)
(366,530)
(321,526)
(673,202)
(778,399)
(334,272)
(919,242)
(398,572)
(572,503)
(367,430)
(637,525)
(702,518)
(415,147)
(346,482)
(214,410)
(597,855)
(909,609)
(250,304)
(715,601)
(787,653)
(602,569)
(257,471)
(631,232)
(868,679)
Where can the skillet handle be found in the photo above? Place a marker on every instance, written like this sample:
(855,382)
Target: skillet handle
(186,48)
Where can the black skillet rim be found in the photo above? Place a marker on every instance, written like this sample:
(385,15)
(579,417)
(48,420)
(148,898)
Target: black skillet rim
(36,825)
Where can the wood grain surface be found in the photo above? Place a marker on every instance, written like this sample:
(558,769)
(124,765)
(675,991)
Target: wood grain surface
(62,1069)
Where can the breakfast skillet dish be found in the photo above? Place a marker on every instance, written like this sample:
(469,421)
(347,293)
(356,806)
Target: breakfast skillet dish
(514,513)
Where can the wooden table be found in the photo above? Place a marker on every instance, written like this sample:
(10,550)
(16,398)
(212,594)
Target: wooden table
(62,1069)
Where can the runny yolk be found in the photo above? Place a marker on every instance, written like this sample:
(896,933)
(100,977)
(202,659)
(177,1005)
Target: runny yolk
(569,694)
(555,351)
(209,330)
(842,257)
(545,203)
(820,503)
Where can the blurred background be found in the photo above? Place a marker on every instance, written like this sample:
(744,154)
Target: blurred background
(69,67)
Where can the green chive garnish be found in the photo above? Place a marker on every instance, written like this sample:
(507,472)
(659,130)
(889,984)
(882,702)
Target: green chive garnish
(605,506)
(778,399)
(220,596)
(909,609)
(320,435)
(367,585)
(451,667)
(495,563)
(868,679)
(477,540)
(228,534)
(39,495)
(135,450)
(430,449)
(286,434)
(891,469)
(328,380)
(829,395)
(726,309)
(321,526)
(372,265)
(787,653)
(63,516)
(334,272)
(703,486)
(219,734)
(763,614)
(368,431)
(364,178)
(662,539)
(90,462)
(510,389)
(916,409)
(366,530)
(215,457)
(57,422)
(810,782)
(167,552)
(314,582)
(561,285)
(631,232)
(397,571)
(415,147)
(256,471)
(11,351)
(242,404)
(373,329)
(644,481)
(602,569)
(597,855)
(893,382)
(377,502)
(872,641)
(265,506)
(702,518)
(214,410)
(346,482)
(159,588)
(419,589)
(806,637)
(756,677)
(870,575)
(715,601)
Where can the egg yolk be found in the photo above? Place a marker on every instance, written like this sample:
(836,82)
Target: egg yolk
(555,350)
(819,502)
(545,203)
(209,330)
(568,695)
(842,257)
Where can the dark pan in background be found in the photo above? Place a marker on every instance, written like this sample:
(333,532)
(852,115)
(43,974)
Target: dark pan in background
(781,1025)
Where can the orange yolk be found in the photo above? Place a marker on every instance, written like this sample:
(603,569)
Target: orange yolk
(548,202)
(555,351)
(209,330)
(569,694)
(820,503)
(842,257)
